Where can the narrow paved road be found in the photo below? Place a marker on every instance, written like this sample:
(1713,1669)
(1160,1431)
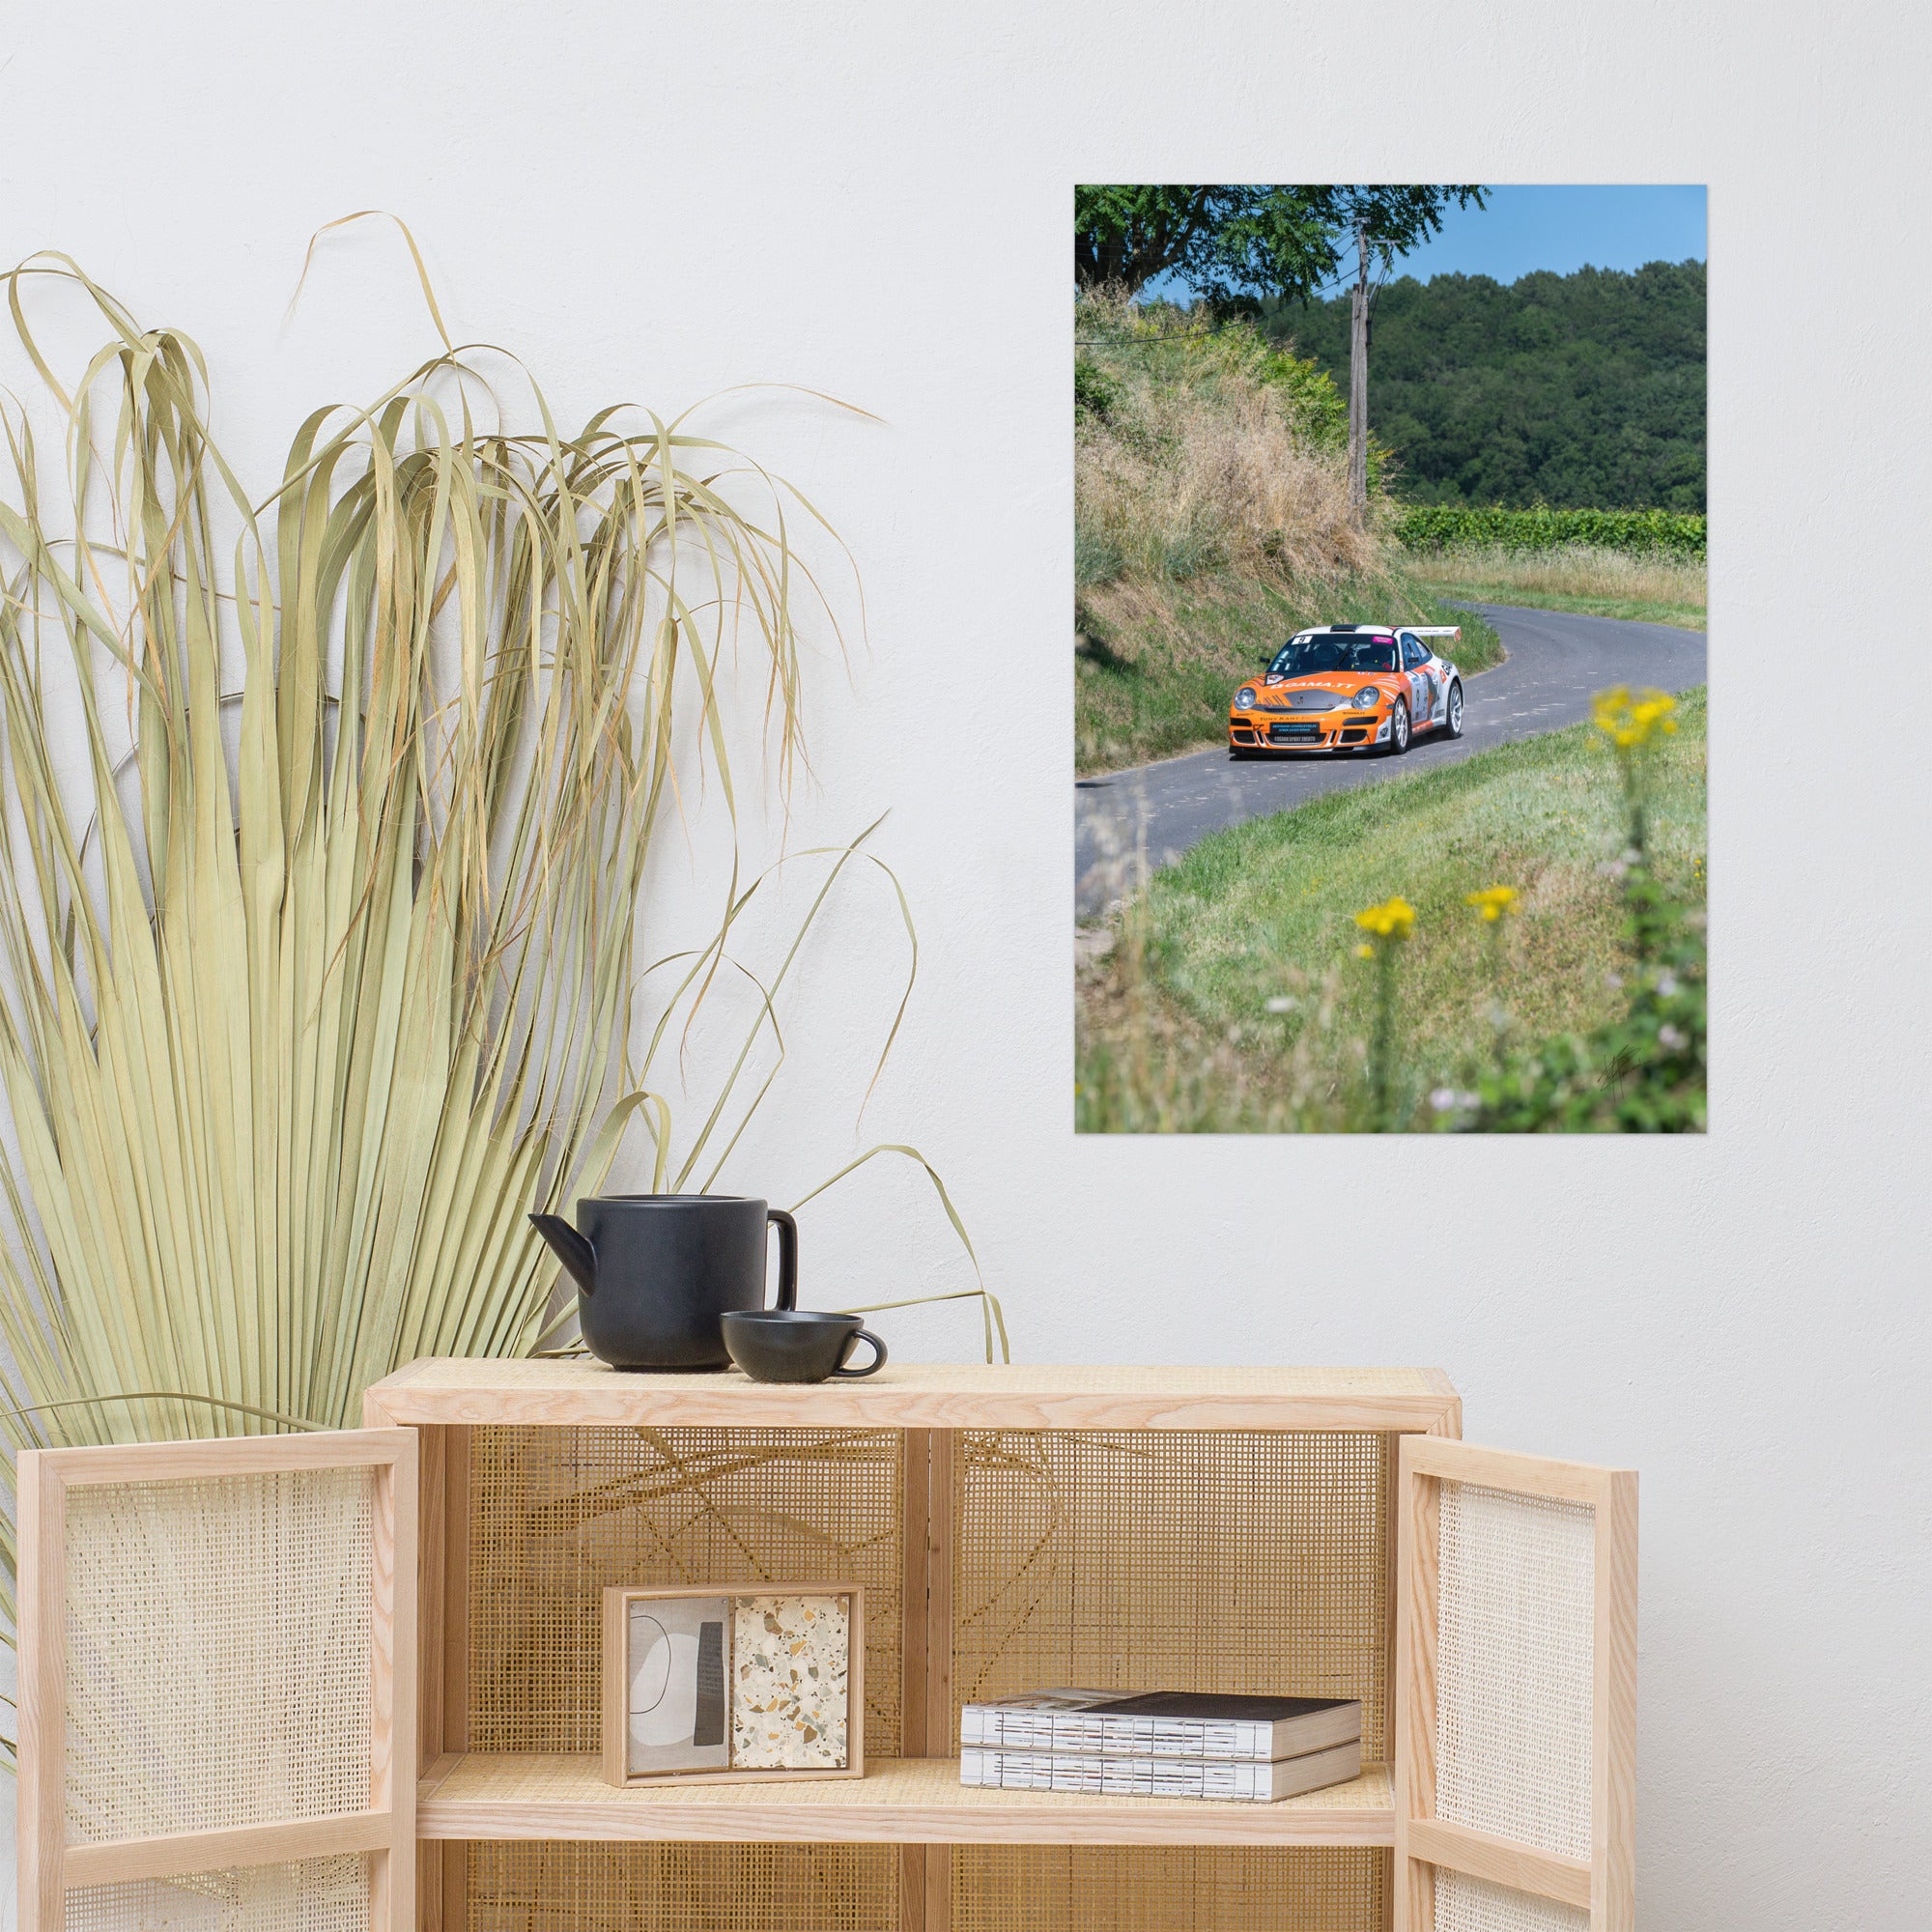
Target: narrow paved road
(1555,663)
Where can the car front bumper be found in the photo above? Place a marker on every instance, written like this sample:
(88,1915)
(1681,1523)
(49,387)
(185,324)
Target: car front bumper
(1326,731)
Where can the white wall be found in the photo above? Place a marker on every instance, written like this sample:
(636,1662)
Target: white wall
(872,200)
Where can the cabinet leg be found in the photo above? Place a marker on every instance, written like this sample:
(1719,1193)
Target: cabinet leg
(925,1888)
(442,1873)
(925,1684)
(912,1888)
(938,1889)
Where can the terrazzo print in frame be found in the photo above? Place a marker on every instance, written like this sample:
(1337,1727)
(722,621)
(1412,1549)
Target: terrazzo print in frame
(790,1683)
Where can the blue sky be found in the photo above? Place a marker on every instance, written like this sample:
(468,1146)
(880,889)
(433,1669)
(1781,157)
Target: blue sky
(1549,227)
(1564,227)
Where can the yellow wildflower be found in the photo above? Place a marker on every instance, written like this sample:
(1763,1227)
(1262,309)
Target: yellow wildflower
(1628,718)
(1492,902)
(1390,920)
(1365,952)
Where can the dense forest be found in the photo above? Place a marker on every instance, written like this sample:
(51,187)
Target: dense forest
(1572,390)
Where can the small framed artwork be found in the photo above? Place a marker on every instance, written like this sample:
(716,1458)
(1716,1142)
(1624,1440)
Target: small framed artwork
(752,1684)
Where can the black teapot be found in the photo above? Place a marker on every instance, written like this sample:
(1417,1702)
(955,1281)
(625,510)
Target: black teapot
(656,1272)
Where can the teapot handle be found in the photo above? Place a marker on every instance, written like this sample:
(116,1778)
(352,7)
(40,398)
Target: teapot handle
(787,1257)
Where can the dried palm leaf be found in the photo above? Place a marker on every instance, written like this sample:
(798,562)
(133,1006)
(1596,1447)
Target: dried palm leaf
(319,974)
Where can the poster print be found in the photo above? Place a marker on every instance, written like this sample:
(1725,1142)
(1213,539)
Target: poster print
(1389,654)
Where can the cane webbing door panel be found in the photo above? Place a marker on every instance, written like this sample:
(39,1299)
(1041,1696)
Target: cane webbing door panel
(217,1692)
(1515,1693)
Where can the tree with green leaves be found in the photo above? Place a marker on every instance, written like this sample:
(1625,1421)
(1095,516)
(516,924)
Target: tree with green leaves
(1230,246)
(1235,246)
(1583,391)
(1383,223)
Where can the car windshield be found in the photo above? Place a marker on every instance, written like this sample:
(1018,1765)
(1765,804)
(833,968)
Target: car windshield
(1329,650)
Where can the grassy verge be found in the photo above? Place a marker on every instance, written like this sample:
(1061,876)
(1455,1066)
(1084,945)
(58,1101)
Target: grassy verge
(1156,661)
(1590,581)
(1231,999)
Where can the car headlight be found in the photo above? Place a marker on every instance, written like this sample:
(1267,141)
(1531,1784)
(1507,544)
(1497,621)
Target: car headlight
(1244,698)
(1367,698)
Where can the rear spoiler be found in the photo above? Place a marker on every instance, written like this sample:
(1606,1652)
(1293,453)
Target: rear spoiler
(1435,630)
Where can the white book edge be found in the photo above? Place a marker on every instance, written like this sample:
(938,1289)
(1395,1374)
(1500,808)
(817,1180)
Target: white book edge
(1224,1780)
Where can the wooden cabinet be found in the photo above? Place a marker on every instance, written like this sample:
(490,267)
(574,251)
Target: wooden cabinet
(1211,1528)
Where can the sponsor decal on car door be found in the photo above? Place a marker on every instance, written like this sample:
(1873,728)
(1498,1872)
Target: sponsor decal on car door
(1421,686)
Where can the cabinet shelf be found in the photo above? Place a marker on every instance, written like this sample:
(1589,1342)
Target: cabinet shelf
(919,1395)
(899,1802)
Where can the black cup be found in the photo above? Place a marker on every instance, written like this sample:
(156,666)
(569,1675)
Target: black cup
(790,1345)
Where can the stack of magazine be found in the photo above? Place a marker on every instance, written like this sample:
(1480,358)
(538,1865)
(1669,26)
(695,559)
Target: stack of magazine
(1163,1743)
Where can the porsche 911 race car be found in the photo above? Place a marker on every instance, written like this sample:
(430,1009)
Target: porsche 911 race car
(1349,687)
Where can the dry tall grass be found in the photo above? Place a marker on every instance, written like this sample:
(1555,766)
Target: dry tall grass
(1577,570)
(1208,453)
(1202,483)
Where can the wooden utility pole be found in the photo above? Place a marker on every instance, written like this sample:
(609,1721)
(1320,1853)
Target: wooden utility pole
(1358,374)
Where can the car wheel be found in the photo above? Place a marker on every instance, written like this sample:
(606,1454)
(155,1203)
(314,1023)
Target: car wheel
(1239,751)
(1398,742)
(1452,717)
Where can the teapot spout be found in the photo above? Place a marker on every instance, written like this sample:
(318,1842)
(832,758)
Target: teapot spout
(570,1248)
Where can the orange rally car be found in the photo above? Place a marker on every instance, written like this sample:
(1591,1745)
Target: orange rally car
(1349,687)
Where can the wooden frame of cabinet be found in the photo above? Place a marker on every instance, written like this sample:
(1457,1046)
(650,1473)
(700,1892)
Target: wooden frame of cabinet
(1602,1886)
(51,1864)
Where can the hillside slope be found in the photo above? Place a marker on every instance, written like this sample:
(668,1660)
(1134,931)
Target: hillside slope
(1210,523)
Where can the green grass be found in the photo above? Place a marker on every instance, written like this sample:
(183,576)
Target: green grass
(1590,580)
(1177,1029)
(1642,611)
(1156,662)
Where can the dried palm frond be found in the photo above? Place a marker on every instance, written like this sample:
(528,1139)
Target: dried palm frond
(318,974)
